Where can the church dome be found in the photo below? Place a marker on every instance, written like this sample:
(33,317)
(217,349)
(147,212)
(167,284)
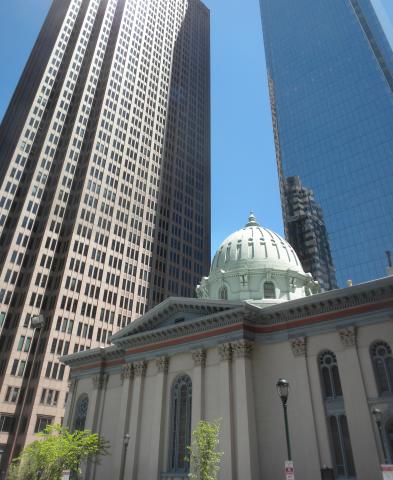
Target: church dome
(256,264)
(254,247)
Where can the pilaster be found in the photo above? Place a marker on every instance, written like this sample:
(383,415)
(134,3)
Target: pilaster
(131,468)
(198,386)
(157,418)
(309,463)
(357,410)
(126,377)
(246,433)
(226,404)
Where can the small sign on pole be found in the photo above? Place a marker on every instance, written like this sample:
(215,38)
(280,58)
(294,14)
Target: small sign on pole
(387,472)
(66,475)
(289,470)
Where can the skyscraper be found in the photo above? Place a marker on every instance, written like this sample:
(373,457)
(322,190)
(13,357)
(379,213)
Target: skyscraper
(105,189)
(330,73)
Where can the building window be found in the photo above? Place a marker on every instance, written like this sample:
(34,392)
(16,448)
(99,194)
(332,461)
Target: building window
(269,290)
(344,465)
(180,423)
(81,413)
(6,423)
(330,376)
(223,294)
(42,423)
(381,355)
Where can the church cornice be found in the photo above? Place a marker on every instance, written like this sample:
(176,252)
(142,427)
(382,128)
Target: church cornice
(329,309)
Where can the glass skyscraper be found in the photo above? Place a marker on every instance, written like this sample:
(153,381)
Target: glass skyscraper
(330,73)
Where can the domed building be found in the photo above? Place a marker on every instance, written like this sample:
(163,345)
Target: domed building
(257,265)
(258,317)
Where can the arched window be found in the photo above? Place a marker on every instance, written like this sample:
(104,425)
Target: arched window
(223,294)
(269,290)
(330,376)
(81,412)
(381,355)
(180,423)
(343,458)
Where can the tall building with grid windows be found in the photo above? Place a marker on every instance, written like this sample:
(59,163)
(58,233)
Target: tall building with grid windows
(105,189)
(330,73)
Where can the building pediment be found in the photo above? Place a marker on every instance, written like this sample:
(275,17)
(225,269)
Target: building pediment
(173,311)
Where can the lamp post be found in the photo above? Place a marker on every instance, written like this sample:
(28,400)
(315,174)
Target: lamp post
(126,441)
(283,392)
(378,420)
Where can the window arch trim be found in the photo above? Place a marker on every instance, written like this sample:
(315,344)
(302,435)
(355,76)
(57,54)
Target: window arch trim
(82,407)
(180,423)
(382,360)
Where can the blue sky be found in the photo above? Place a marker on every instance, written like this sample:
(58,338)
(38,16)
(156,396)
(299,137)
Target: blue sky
(244,172)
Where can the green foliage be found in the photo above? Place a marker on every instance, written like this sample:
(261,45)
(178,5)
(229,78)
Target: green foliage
(57,450)
(204,459)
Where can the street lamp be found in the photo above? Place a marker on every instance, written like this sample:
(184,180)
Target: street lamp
(378,420)
(126,441)
(283,392)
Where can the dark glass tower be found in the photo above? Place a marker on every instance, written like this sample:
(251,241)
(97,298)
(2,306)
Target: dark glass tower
(330,72)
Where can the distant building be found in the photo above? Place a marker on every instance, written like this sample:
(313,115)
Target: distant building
(258,318)
(330,74)
(306,231)
(104,189)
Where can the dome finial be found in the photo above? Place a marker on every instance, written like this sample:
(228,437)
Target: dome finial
(252,221)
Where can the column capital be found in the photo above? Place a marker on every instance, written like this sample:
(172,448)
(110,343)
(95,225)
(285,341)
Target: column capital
(199,357)
(348,336)
(243,348)
(299,346)
(225,351)
(140,368)
(162,364)
(127,371)
(100,381)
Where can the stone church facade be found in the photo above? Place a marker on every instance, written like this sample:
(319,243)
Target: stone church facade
(258,318)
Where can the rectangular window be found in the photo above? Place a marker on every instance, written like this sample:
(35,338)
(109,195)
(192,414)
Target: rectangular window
(6,422)
(42,423)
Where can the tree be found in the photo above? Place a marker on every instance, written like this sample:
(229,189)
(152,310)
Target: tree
(204,459)
(57,450)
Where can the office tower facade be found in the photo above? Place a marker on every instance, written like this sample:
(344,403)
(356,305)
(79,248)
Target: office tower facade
(307,230)
(330,74)
(105,189)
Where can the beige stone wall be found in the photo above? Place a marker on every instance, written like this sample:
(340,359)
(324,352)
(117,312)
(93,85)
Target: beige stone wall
(238,386)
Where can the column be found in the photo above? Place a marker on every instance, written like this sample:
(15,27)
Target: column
(132,452)
(307,454)
(157,418)
(123,416)
(198,387)
(357,410)
(71,401)
(246,431)
(226,444)
(95,410)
